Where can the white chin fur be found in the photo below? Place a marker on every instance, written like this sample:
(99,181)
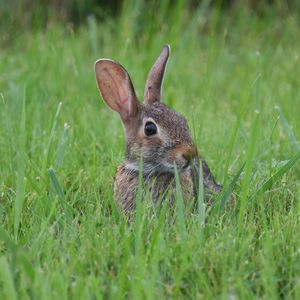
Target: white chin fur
(148,168)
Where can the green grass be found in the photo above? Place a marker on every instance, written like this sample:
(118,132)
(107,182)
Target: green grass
(61,236)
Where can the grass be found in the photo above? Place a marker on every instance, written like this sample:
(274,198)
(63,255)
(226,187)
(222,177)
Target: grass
(61,236)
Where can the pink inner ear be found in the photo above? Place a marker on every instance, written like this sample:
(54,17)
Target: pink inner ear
(114,91)
(116,88)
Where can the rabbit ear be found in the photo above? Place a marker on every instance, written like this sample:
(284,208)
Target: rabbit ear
(152,91)
(116,88)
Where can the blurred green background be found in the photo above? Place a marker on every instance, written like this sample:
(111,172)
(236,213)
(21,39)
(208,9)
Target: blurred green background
(17,16)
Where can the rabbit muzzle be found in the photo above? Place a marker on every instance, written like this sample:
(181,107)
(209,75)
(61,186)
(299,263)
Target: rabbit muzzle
(182,155)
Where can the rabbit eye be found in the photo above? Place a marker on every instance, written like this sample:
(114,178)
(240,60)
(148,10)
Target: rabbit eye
(150,129)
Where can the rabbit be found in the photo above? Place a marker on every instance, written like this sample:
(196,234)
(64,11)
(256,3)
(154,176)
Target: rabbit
(155,135)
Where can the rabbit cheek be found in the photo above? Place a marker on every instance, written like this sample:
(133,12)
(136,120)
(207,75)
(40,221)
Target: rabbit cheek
(135,151)
(151,148)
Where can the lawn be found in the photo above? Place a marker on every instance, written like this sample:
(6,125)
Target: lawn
(236,80)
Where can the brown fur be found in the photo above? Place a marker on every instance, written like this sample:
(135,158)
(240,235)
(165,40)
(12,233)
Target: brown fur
(171,144)
(126,187)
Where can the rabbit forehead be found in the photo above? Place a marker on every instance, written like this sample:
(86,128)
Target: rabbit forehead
(172,123)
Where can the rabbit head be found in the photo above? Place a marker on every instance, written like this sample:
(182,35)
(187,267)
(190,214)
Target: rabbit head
(153,131)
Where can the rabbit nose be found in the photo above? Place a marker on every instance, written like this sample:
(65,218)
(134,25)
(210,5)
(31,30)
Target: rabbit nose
(189,153)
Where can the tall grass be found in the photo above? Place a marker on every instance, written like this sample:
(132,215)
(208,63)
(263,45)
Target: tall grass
(61,235)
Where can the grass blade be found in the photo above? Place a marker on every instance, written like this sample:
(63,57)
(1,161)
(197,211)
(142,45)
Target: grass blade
(59,192)
(229,189)
(56,184)
(7,279)
(298,207)
(285,168)
(47,150)
(288,129)
(179,204)
(138,212)
(158,228)
(251,149)
(20,193)
(61,147)
(7,240)
(200,200)
(27,266)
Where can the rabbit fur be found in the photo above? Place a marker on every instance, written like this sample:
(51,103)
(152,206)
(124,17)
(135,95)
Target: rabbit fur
(156,138)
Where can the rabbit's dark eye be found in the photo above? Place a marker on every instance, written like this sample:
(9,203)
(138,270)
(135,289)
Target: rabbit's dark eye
(150,129)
